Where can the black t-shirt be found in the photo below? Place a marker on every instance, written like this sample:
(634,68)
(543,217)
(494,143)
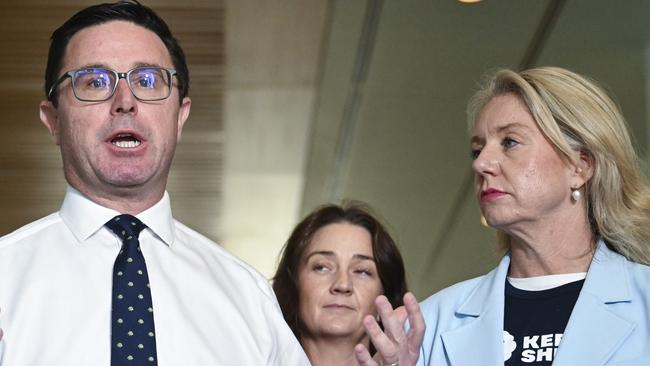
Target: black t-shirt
(534,322)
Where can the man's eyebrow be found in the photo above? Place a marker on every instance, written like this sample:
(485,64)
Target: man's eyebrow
(93,66)
(146,64)
(104,66)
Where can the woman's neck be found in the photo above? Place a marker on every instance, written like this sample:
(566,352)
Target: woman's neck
(563,245)
(334,351)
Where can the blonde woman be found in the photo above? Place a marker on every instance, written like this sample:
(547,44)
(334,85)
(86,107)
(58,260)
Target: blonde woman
(557,176)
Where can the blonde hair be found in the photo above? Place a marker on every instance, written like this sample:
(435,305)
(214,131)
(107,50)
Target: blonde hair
(575,114)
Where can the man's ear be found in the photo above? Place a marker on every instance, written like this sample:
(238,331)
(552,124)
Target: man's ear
(50,118)
(183,114)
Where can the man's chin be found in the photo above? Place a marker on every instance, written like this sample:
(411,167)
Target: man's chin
(127,179)
(127,185)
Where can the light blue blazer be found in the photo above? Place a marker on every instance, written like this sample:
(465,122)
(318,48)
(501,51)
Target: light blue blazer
(609,325)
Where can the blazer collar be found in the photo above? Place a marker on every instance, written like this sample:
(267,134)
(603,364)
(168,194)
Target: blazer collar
(607,278)
(479,342)
(592,322)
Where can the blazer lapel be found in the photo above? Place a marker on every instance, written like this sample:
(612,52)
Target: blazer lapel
(480,340)
(594,332)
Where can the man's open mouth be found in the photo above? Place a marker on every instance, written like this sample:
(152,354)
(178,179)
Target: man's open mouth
(125,141)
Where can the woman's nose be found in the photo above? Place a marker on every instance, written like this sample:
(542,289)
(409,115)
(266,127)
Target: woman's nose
(342,283)
(486,162)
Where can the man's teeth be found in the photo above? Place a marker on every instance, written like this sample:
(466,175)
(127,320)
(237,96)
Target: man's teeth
(126,144)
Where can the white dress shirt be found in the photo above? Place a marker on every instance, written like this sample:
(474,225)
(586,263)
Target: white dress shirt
(209,307)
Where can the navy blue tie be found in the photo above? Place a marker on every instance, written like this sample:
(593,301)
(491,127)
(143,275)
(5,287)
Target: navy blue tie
(133,336)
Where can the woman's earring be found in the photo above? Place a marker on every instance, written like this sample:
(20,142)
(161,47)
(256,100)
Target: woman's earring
(575,194)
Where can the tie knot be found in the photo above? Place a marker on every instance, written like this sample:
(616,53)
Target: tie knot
(125,226)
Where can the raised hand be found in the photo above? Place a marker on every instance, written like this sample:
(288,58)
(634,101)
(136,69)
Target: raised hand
(394,346)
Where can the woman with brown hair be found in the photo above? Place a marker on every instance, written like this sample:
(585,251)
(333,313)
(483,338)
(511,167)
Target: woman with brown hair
(336,263)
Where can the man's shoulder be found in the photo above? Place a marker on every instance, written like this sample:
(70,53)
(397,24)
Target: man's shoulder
(32,229)
(220,257)
(199,242)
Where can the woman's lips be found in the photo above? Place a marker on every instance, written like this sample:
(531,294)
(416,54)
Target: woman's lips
(491,194)
(338,306)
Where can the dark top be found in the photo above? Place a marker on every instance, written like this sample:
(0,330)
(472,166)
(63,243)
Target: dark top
(534,322)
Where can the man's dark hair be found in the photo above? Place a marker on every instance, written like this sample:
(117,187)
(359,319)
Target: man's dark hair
(127,10)
(388,259)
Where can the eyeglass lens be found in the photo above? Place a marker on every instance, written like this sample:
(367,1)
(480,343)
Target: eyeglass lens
(98,84)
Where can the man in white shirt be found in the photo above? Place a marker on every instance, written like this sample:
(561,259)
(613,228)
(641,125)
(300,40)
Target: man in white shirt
(116,85)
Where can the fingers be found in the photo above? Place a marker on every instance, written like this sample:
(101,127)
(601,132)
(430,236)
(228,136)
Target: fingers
(392,344)
(385,346)
(363,356)
(387,342)
(392,321)
(417,327)
(401,314)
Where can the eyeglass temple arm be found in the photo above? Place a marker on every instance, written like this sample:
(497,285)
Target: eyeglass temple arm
(56,84)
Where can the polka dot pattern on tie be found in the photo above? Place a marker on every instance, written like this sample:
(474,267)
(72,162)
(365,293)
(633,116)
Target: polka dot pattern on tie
(133,340)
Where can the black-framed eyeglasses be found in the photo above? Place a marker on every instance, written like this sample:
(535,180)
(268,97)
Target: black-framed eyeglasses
(97,84)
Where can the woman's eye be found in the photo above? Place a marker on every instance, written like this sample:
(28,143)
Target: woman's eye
(320,268)
(508,143)
(474,153)
(363,272)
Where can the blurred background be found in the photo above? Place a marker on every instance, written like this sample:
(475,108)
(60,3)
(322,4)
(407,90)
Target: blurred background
(301,102)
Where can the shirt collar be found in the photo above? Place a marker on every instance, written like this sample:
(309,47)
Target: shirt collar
(84,217)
